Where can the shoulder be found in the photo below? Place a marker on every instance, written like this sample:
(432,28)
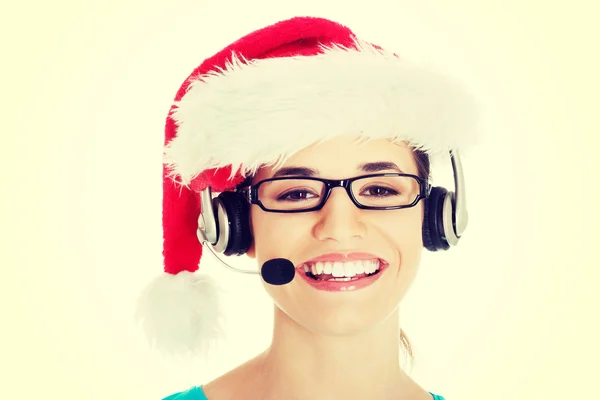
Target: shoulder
(227,386)
(239,382)
(193,393)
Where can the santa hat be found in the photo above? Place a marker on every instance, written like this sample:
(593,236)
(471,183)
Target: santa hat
(257,102)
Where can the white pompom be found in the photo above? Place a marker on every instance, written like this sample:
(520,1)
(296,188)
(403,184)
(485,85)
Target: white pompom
(181,314)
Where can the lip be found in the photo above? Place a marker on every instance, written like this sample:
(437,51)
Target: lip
(333,257)
(346,286)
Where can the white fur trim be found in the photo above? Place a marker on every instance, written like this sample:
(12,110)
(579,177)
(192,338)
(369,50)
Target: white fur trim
(180,314)
(260,112)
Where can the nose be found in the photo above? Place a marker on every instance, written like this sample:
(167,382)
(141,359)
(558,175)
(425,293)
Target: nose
(339,219)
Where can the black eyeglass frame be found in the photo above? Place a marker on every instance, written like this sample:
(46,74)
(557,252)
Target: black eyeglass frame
(251,192)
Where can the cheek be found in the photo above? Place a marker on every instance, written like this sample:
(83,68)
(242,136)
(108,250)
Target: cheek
(403,229)
(275,235)
(402,232)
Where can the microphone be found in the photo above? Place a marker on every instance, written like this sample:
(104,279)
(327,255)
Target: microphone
(278,271)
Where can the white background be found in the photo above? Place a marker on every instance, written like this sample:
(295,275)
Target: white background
(509,314)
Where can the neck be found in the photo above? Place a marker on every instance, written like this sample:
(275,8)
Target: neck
(304,364)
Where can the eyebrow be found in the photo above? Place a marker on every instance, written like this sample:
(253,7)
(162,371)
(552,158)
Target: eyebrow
(310,172)
(296,171)
(379,166)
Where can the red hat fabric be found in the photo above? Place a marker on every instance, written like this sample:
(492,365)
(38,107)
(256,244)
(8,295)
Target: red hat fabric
(258,101)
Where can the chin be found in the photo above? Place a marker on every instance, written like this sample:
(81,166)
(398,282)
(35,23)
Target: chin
(342,320)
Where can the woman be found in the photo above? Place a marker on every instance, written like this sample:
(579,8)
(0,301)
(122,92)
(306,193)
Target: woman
(319,145)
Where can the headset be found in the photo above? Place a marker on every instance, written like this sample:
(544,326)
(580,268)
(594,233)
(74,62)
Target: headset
(224,223)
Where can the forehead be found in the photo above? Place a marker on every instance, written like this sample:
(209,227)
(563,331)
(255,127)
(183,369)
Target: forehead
(345,157)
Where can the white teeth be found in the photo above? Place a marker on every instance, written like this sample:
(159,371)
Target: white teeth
(350,269)
(371,267)
(320,268)
(338,269)
(343,269)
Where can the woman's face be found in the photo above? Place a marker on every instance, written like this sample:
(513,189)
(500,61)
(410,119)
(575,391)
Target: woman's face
(391,237)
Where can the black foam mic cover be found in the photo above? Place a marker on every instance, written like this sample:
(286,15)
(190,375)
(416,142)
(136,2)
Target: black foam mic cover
(278,271)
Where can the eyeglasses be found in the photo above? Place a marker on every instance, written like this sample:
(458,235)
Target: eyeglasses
(390,191)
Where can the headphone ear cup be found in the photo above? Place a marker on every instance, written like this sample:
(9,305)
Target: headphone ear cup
(427,243)
(433,221)
(235,236)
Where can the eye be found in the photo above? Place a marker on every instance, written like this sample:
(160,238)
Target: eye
(378,191)
(295,195)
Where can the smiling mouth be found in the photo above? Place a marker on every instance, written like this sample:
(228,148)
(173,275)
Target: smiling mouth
(342,271)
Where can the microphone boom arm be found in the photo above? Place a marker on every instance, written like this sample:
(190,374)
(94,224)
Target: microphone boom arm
(207,245)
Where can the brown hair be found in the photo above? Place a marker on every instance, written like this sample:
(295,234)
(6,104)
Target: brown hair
(424,172)
(423,164)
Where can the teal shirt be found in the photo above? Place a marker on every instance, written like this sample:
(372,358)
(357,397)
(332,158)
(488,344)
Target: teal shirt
(196,393)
